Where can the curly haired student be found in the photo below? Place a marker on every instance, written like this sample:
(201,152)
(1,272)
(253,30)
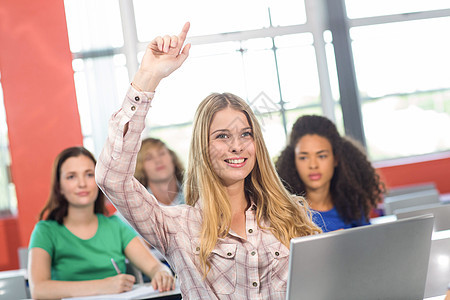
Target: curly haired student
(332,172)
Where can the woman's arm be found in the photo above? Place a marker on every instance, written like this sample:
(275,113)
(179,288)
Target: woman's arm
(117,162)
(141,256)
(42,287)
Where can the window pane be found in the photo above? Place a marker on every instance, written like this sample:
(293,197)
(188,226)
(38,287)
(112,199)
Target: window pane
(273,133)
(370,8)
(93,24)
(260,70)
(298,70)
(406,68)
(402,57)
(287,12)
(100,85)
(206,17)
(400,126)
(177,98)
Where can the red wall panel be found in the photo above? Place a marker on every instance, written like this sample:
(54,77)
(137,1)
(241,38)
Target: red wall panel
(40,102)
(435,170)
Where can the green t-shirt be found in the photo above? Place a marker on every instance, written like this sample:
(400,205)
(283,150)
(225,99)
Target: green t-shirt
(76,259)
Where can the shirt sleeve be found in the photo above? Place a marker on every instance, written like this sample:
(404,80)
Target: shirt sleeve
(115,174)
(41,237)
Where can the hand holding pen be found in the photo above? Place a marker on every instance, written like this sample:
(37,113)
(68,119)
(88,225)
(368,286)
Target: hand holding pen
(118,283)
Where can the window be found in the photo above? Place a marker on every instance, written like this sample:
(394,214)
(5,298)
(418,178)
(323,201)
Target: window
(101,80)
(403,72)
(8,201)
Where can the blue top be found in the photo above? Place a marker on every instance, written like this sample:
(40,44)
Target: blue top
(331,220)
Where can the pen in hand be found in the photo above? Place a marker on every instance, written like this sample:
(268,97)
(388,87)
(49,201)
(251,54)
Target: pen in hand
(115,266)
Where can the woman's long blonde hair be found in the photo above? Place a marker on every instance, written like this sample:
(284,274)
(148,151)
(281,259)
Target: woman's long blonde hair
(288,216)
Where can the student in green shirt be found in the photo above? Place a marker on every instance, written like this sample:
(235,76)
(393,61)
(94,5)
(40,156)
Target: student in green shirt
(74,243)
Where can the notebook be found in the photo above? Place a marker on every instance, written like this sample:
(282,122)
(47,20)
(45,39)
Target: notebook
(382,261)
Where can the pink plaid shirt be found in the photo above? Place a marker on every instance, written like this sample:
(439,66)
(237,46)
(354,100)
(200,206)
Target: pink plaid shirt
(252,268)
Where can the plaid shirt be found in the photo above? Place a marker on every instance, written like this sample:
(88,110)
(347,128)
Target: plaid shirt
(252,268)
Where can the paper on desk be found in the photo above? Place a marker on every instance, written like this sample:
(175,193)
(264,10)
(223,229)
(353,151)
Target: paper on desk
(138,292)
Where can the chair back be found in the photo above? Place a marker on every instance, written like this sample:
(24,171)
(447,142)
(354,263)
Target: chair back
(133,270)
(23,257)
(392,203)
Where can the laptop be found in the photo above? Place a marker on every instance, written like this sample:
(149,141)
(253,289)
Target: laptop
(438,276)
(382,261)
(441,213)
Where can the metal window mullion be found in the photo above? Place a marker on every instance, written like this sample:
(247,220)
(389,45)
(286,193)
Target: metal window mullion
(422,15)
(281,102)
(348,88)
(316,16)
(242,35)
(130,39)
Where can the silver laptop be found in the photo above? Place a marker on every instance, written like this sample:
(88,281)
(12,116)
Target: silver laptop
(382,261)
(438,276)
(441,213)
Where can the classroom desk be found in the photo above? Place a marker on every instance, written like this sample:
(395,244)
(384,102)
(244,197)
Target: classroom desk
(172,295)
(13,284)
(138,292)
(13,273)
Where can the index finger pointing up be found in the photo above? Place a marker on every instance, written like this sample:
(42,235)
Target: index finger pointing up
(183,33)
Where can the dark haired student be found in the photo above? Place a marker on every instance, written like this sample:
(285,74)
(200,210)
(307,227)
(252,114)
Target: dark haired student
(75,248)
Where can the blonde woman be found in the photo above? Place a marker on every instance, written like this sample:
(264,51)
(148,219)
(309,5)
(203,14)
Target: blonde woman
(231,239)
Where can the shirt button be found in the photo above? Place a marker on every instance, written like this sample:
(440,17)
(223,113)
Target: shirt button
(197,249)
(250,230)
(277,253)
(253,253)
(229,254)
(133,108)
(255,284)
(137,98)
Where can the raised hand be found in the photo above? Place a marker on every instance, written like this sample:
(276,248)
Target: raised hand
(162,56)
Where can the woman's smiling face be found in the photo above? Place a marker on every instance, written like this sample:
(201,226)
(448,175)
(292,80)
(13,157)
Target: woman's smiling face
(231,146)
